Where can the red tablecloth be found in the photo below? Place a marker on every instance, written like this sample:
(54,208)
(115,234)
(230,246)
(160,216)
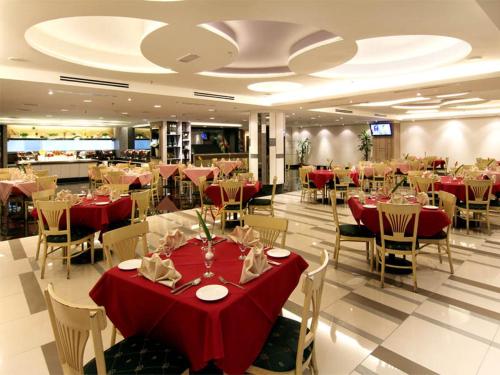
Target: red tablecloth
(430,221)
(249,190)
(438,163)
(457,187)
(321,177)
(230,332)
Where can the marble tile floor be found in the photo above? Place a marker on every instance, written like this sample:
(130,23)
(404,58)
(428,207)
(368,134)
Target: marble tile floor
(450,326)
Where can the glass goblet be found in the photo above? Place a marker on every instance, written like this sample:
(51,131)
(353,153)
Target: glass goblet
(167,250)
(208,258)
(242,250)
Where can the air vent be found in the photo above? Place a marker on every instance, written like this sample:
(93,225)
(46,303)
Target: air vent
(379,115)
(214,96)
(93,82)
(188,58)
(342,110)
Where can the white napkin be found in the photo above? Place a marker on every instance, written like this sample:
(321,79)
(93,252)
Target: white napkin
(244,235)
(114,195)
(157,269)
(423,198)
(255,264)
(173,240)
(103,190)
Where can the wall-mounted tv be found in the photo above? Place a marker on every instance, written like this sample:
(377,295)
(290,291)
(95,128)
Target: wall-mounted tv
(381,129)
(204,136)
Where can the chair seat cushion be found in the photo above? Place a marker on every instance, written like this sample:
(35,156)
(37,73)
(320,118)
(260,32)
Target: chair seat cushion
(353,230)
(495,203)
(259,202)
(77,233)
(280,350)
(438,236)
(207,201)
(396,245)
(232,207)
(138,355)
(312,185)
(472,206)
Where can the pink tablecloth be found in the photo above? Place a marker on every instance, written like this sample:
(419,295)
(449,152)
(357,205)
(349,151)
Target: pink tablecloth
(137,178)
(249,190)
(430,221)
(457,187)
(167,170)
(230,332)
(10,187)
(227,166)
(194,173)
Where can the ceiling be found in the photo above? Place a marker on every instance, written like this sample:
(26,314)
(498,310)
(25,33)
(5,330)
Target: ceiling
(326,56)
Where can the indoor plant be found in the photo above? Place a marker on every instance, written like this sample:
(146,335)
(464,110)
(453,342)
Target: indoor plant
(365,143)
(303,149)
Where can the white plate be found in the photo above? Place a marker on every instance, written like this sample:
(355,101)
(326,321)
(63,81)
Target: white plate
(212,292)
(131,264)
(101,203)
(124,195)
(355,196)
(198,237)
(278,253)
(430,207)
(369,206)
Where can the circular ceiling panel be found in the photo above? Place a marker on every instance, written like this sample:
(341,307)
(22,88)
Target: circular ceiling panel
(399,54)
(274,86)
(103,42)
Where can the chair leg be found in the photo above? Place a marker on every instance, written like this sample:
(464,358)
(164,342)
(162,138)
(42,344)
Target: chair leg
(68,261)
(449,255)
(113,335)
(38,245)
(467,220)
(92,250)
(337,250)
(314,363)
(371,247)
(382,270)
(414,271)
(439,252)
(44,260)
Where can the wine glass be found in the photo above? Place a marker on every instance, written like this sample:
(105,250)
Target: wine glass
(208,257)
(167,250)
(242,250)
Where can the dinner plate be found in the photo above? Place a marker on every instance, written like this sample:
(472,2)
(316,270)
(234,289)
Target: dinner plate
(101,203)
(278,253)
(430,207)
(369,206)
(212,292)
(131,264)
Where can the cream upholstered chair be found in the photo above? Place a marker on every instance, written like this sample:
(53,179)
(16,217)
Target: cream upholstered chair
(42,195)
(155,187)
(46,182)
(245,176)
(351,233)
(140,206)
(477,202)
(55,238)
(114,177)
(399,238)
(232,201)
(206,203)
(425,185)
(269,228)
(123,242)
(307,187)
(447,202)
(122,188)
(263,204)
(290,348)
(73,324)
(181,180)
(41,172)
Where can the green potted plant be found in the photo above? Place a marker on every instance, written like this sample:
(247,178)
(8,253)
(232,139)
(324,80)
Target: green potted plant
(303,149)
(365,143)
(23,135)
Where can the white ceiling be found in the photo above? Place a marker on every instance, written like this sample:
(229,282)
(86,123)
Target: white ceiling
(372,50)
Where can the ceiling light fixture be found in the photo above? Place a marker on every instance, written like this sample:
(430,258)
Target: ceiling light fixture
(124,113)
(216,124)
(64,110)
(157,106)
(388,103)
(452,95)
(87,101)
(466,100)
(274,86)
(211,110)
(129,99)
(423,106)
(51,92)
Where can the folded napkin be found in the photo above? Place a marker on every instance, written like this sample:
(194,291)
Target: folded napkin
(362,197)
(255,264)
(114,195)
(67,196)
(103,190)
(245,235)
(423,198)
(172,240)
(157,269)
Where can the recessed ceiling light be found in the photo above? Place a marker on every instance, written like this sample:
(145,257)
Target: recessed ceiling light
(157,106)
(124,113)
(452,95)
(16,59)
(129,99)
(211,110)
(274,86)
(173,115)
(392,102)
(51,92)
(212,118)
(64,110)
(87,101)
(419,94)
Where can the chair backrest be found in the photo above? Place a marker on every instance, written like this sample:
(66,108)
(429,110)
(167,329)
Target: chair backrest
(181,168)
(312,287)
(202,185)
(399,217)
(72,325)
(140,206)
(49,217)
(448,202)
(424,184)
(122,165)
(269,228)
(123,241)
(41,172)
(43,195)
(379,169)
(156,177)
(478,192)
(46,182)
(414,165)
(333,199)
(273,193)
(4,176)
(114,177)
(231,192)
(411,179)
(122,188)
(245,176)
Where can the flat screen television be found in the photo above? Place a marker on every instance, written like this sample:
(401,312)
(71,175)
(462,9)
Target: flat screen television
(381,129)
(204,136)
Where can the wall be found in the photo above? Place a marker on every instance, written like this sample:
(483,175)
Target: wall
(461,140)
(339,143)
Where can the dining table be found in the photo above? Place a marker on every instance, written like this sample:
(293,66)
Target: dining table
(135,178)
(321,177)
(9,188)
(249,190)
(167,170)
(227,166)
(228,332)
(456,186)
(194,173)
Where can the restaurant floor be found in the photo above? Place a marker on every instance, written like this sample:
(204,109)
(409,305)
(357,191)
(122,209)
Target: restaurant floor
(451,326)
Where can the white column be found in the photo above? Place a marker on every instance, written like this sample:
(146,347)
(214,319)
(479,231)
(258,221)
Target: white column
(253,150)
(279,135)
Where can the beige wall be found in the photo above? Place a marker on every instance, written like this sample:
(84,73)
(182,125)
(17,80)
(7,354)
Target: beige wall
(339,143)
(461,140)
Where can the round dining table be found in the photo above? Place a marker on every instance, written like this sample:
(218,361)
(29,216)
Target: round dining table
(321,177)
(249,190)
(229,332)
(456,186)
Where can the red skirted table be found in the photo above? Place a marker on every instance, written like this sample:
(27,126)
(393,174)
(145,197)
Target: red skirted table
(229,332)
(457,187)
(438,163)
(430,222)
(249,190)
(321,177)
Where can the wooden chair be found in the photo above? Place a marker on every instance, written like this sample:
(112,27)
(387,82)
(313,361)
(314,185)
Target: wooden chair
(263,204)
(95,176)
(41,172)
(477,202)
(290,348)
(232,201)
(398,238)
(140,206)
(307,187)
(181,180)
(122,165)
(42,195)
(155,187)
(206,203)
(56,238)
(4,176)
(47,182)
(342,186)
(114,177)
(73,324)
(447,202)
(122,188)
(426,185)
(123,242)
(351,233)
(245,176)
(269,228)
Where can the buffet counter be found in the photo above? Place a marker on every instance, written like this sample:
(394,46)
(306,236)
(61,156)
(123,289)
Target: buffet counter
(64,169)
